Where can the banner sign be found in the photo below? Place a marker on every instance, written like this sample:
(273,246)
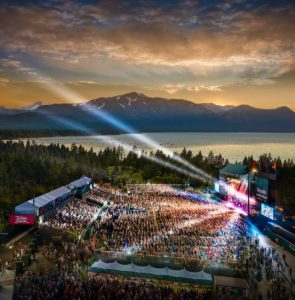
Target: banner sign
(21,219)
(261,189)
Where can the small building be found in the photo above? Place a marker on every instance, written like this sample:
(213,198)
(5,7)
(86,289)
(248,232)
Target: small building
(44,205)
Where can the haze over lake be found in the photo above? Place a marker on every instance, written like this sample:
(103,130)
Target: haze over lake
(234,146)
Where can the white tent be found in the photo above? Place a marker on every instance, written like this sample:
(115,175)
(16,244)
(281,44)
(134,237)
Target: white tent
(6,277)
(184,274)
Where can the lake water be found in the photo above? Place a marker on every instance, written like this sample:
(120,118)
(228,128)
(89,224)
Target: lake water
(234,146)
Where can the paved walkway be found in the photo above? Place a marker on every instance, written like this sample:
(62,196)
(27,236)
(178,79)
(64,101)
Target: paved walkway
(6,253)
(265,285)
(19,237)
(6,292)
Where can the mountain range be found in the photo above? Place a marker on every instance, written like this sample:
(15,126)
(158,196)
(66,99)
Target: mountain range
(146,114)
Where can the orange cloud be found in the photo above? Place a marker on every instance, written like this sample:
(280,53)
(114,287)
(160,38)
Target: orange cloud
(185,50)
(254,35)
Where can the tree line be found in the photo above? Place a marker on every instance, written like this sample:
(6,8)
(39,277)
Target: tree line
(28,170)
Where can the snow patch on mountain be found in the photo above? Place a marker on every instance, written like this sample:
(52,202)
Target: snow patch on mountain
(101,107)
(130,100)
(32,107)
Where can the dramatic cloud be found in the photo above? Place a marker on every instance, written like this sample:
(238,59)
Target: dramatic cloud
(3,80)
(151,36)
(178,46)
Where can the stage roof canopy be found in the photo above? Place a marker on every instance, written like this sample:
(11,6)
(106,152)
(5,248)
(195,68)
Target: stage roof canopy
(235,170)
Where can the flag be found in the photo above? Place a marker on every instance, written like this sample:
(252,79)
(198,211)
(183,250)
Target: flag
(254,164)
(274,166)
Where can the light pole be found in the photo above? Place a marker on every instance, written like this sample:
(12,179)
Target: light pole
(248,193)
(250,171)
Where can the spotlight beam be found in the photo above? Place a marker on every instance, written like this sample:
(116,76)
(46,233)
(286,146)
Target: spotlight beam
(143,138)
(71,97)
(129,148)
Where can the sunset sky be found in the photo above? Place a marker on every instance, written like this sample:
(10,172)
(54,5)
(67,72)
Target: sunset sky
(226,52)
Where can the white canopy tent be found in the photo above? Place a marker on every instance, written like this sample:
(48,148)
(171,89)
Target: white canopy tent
(167,272)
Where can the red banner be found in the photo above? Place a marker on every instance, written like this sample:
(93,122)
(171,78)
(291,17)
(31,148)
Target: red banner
(22,219)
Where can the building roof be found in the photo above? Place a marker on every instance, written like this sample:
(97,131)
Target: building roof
(60,192)
(43,200)
(80,182)
(25,208)
(233,170)
(40,201)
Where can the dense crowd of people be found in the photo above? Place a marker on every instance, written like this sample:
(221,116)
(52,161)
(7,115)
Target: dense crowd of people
(151,188)
(62,283)
(99,195)
(266,264)
(66,280)
(75,216)
(172,224)
(159,222)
